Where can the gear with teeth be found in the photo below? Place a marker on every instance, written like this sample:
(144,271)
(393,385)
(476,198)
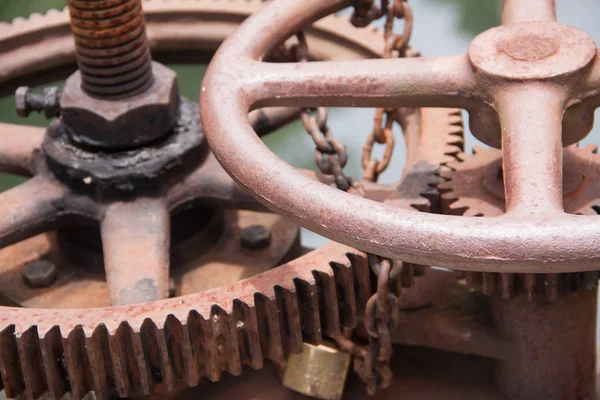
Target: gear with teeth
(126,350)
(474,187)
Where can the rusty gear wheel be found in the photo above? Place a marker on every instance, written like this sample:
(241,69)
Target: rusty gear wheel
(124,351)
(474,187)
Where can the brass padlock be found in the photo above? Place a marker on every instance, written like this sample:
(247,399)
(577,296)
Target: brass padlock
(319,371)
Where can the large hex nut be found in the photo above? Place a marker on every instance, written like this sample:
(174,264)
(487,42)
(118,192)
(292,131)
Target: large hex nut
(125,122)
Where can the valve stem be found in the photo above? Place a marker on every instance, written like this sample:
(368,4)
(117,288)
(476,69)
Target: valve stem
(112,49)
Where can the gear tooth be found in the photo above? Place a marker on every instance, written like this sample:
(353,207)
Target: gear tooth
(180,351)
(454,165)
(98,351)
(551,287)
(473,279)
(10,365)
(19,22)
(328,307)
(120,363)
(590,280)
(204,345)
(458,207)
(30,355)
(589,148)
(444,188)
(248,334)
(134,365)
(362,279)
(345,291)
(445,172)
(289,320)
(144,382)
(55,11)
(529,283)
(77,363)
(35,16)
(52,358)
(421,204)
(407,276)
(268,326)
(309,310)
(165,369)
(150,345)
(488,282)
(507,285)
(455,116)
(452,151)
(227,346)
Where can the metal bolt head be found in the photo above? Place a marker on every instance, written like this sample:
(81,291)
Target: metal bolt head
(255,237)
(52,102)
(39,273)
(21,104)
(124,122)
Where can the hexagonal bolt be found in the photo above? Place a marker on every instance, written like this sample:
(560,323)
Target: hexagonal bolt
(255,237)
(48,102)
(39,273)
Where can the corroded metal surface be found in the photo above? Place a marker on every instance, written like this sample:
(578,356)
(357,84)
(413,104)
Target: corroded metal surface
(125,350)
(521,76)
(474,187)
(113,53)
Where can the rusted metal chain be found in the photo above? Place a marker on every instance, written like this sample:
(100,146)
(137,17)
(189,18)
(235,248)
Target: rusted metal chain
(371,363)
(330,154)
(395,45)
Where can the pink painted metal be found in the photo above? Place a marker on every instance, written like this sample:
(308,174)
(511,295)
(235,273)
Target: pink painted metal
(516,81)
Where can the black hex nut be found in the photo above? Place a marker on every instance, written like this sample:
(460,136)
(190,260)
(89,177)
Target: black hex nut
(255,237)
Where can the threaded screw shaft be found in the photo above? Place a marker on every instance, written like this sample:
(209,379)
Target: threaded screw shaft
(112,49)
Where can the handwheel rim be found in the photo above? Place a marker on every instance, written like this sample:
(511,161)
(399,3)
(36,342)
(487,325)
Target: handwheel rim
(515,242)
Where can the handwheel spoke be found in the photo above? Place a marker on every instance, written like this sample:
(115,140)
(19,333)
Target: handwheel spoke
(266,120)
(515,11)
(17,146)
(531,122)
(29,209)
(435,82)
(136,242)
(210,185)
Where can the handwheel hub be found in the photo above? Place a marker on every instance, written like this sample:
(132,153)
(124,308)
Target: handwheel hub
(533,50)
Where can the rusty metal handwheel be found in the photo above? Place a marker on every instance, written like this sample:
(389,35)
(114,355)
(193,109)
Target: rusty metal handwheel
(125,350)
(516,81)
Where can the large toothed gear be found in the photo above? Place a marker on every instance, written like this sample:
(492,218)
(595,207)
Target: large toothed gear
(473,187)
(124,351)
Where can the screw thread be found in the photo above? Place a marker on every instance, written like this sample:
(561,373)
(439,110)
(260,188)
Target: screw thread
(112,49)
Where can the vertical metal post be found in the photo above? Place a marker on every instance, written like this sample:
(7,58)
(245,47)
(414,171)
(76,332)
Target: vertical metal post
(554,347)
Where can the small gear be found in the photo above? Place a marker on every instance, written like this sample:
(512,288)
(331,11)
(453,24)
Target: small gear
(474,187)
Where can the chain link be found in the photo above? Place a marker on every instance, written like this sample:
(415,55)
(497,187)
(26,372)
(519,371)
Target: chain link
(395,45)
(330,154)
(382,311)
